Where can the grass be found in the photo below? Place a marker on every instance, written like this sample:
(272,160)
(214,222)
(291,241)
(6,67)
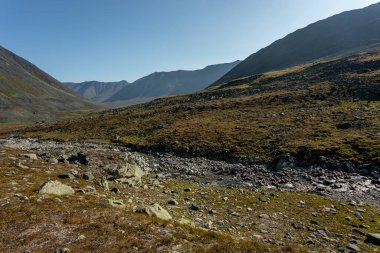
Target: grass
(294,111)
(42,224)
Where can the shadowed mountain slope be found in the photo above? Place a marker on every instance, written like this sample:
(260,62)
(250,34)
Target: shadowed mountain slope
(97,91)
(161,84)
(28,94)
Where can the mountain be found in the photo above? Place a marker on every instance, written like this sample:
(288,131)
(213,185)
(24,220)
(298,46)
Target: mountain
(97,91)
(322,111)
(29,94)
(161,84)
(342,34)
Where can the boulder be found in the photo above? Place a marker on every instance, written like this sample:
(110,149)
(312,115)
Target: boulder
(20,165)
(130,174)
(111,202)
(53,160)
(88,176)
(29,156)
(155,210)
(66,175)
(104,183)
(129,171)
(373,238)
(56,188)
(133,181)
(184,221)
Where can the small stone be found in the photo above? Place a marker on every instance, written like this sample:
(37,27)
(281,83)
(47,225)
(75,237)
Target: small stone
(29,156)
(195,207)
(53,160)
(187,190)
(114,203)
(88,176)
(313,222)
(348,218)
(81,237)
(115,190)
(288,185)
(220,223)
(104,183)
(297,226)
(263,199)
(188,222)
(20,165)
(264,216)
(373,238)
(172,202)
(66,176)
(257,237)
(353,247)
(208,225)
(62,250)
(212,212)
(359,216)
(358,231)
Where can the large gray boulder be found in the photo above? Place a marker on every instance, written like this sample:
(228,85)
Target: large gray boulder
(130,170)
(155,210)
(56,188)
(130,174)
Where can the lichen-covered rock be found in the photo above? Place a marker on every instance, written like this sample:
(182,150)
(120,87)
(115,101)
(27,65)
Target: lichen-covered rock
(133,181)
(29,156)
(56,188)
(112,202)
(130,170)
(155,210)
(88,176)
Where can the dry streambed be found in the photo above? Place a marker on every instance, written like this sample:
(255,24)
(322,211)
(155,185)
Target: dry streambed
(87,197)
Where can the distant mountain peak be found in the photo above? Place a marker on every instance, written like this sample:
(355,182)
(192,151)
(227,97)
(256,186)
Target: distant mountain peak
(154,85)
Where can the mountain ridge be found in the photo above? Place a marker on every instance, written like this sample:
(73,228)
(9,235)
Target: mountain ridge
(342,34)
(96,90)
(27,93)
(152,86)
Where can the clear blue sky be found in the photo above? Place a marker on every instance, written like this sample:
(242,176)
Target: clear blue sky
(110,40)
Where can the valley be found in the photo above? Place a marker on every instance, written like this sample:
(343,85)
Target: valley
(326,110)
(286,161)
(277,153)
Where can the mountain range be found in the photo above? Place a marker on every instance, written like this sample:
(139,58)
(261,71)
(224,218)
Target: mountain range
(155,85)
(97,91)
(28,94)
(342,34)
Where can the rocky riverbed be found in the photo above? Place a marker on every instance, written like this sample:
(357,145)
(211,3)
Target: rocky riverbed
(100,158)
(86,197)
